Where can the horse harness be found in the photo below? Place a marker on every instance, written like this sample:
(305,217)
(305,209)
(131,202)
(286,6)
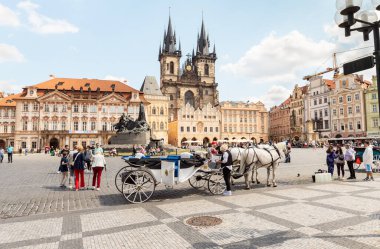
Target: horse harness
(258,159)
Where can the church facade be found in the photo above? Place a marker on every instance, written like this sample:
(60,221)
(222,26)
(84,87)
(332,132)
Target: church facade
(189,86)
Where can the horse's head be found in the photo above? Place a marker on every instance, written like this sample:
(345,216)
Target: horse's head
(283,148)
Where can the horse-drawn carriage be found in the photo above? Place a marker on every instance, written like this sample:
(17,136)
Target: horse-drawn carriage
(138,180)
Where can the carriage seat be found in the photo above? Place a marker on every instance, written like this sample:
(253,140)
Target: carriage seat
(151,163)
(190,162)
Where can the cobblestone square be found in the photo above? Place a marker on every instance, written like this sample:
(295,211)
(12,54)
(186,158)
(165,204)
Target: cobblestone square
(36,213)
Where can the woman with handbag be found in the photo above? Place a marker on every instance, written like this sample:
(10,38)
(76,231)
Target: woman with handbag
(79,163)
(339,161)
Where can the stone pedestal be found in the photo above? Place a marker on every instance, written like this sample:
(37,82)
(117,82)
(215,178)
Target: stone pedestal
(131,138)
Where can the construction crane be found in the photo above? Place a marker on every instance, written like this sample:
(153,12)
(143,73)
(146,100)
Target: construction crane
(335,68)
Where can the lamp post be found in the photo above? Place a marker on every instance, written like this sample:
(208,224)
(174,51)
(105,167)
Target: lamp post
(349,17)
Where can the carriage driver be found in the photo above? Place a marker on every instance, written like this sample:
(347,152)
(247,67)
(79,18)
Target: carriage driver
(226,163)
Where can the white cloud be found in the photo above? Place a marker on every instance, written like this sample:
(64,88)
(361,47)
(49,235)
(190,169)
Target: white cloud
(275,95)
(43,24)
(111,77)
(8,17)
(10,53)
(9,87)
(278,59)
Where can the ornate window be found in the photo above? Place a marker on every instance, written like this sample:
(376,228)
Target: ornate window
(154,110)
(207,69)
(63,125)
(93,126)
(162,126)
(26,107)
(161,111)
(76,108)
(171,67)
(35,107)
(25,125)
(154,125)
(171,97)
(189,98)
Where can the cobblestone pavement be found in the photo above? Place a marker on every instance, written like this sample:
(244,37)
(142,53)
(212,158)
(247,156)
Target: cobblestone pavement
(36,213)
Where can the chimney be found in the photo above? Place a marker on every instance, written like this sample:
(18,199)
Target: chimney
(52,76)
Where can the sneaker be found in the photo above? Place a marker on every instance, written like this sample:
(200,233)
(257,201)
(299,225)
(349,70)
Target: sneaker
(98,189)
(350,178)
(70,186)
(227,193)
(366,179)
(58,172)
(82,188)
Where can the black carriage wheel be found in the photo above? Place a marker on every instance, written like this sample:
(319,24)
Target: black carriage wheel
(118,179)
(198,180)
(138,186)
(216,184)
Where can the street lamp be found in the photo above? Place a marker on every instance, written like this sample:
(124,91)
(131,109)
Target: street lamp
(351,19)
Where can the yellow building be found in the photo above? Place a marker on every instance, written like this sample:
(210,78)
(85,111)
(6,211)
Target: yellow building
(242,120)
(372,110)
(157,110)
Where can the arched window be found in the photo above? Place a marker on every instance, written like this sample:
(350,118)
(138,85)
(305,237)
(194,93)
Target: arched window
(171,67)
(154,126)
(162,126)
(171,106)
(207,70)
(154,110)
(161,111)
(171,97)
(189,98)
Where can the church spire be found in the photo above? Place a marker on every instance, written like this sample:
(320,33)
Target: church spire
(203,41)
(170,40)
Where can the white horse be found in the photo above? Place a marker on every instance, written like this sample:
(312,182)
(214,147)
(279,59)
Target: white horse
(263,156)
(236,153)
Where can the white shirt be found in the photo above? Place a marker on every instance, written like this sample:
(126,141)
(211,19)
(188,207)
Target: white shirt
(98,161)
(225,159)
(139,155)
(368,155)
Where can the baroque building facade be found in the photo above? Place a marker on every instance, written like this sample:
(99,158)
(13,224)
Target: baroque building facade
(279,122)
(64,111)
(372,109)
(347,107)
(157,112)
(297,112)
(317,112)
(244,120)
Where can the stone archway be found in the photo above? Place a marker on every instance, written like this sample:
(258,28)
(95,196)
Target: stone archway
(338,136)
(183,140)
(2,144)
(54,142)
(206,141)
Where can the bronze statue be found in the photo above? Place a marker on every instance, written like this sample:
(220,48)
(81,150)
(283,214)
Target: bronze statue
(127,125)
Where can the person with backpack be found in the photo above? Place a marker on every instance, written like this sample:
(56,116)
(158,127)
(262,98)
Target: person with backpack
(330,159)
(339,161)
(79,165)
(88,157)
(64,168)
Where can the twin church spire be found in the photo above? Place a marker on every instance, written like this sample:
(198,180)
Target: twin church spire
(169,45)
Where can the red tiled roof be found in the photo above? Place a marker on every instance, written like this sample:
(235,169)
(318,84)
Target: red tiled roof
(8,101)
(329,83)
(69,83)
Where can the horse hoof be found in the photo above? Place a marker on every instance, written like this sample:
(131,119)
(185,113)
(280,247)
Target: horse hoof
(258,182)
(274,186)
(253,181)
(247,188)
(268,185)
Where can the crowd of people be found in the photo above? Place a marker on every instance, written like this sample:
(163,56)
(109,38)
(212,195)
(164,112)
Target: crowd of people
(336,157)
(74,163)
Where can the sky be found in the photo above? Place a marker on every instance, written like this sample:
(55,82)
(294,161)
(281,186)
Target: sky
(264,48)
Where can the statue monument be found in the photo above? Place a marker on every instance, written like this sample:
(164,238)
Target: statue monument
(129,131)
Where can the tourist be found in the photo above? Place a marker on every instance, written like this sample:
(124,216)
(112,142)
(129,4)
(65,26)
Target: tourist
(26,151)
(339,161)
(79,163)
(134,150)
(88,157)
(98,149)
(1,154)
(226,164)
(368,160)
(71,166)
(98,163)
(10,153)
(349,156)
(64,168)
(330,159)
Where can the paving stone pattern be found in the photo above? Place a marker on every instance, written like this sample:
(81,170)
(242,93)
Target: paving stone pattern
(298,214)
